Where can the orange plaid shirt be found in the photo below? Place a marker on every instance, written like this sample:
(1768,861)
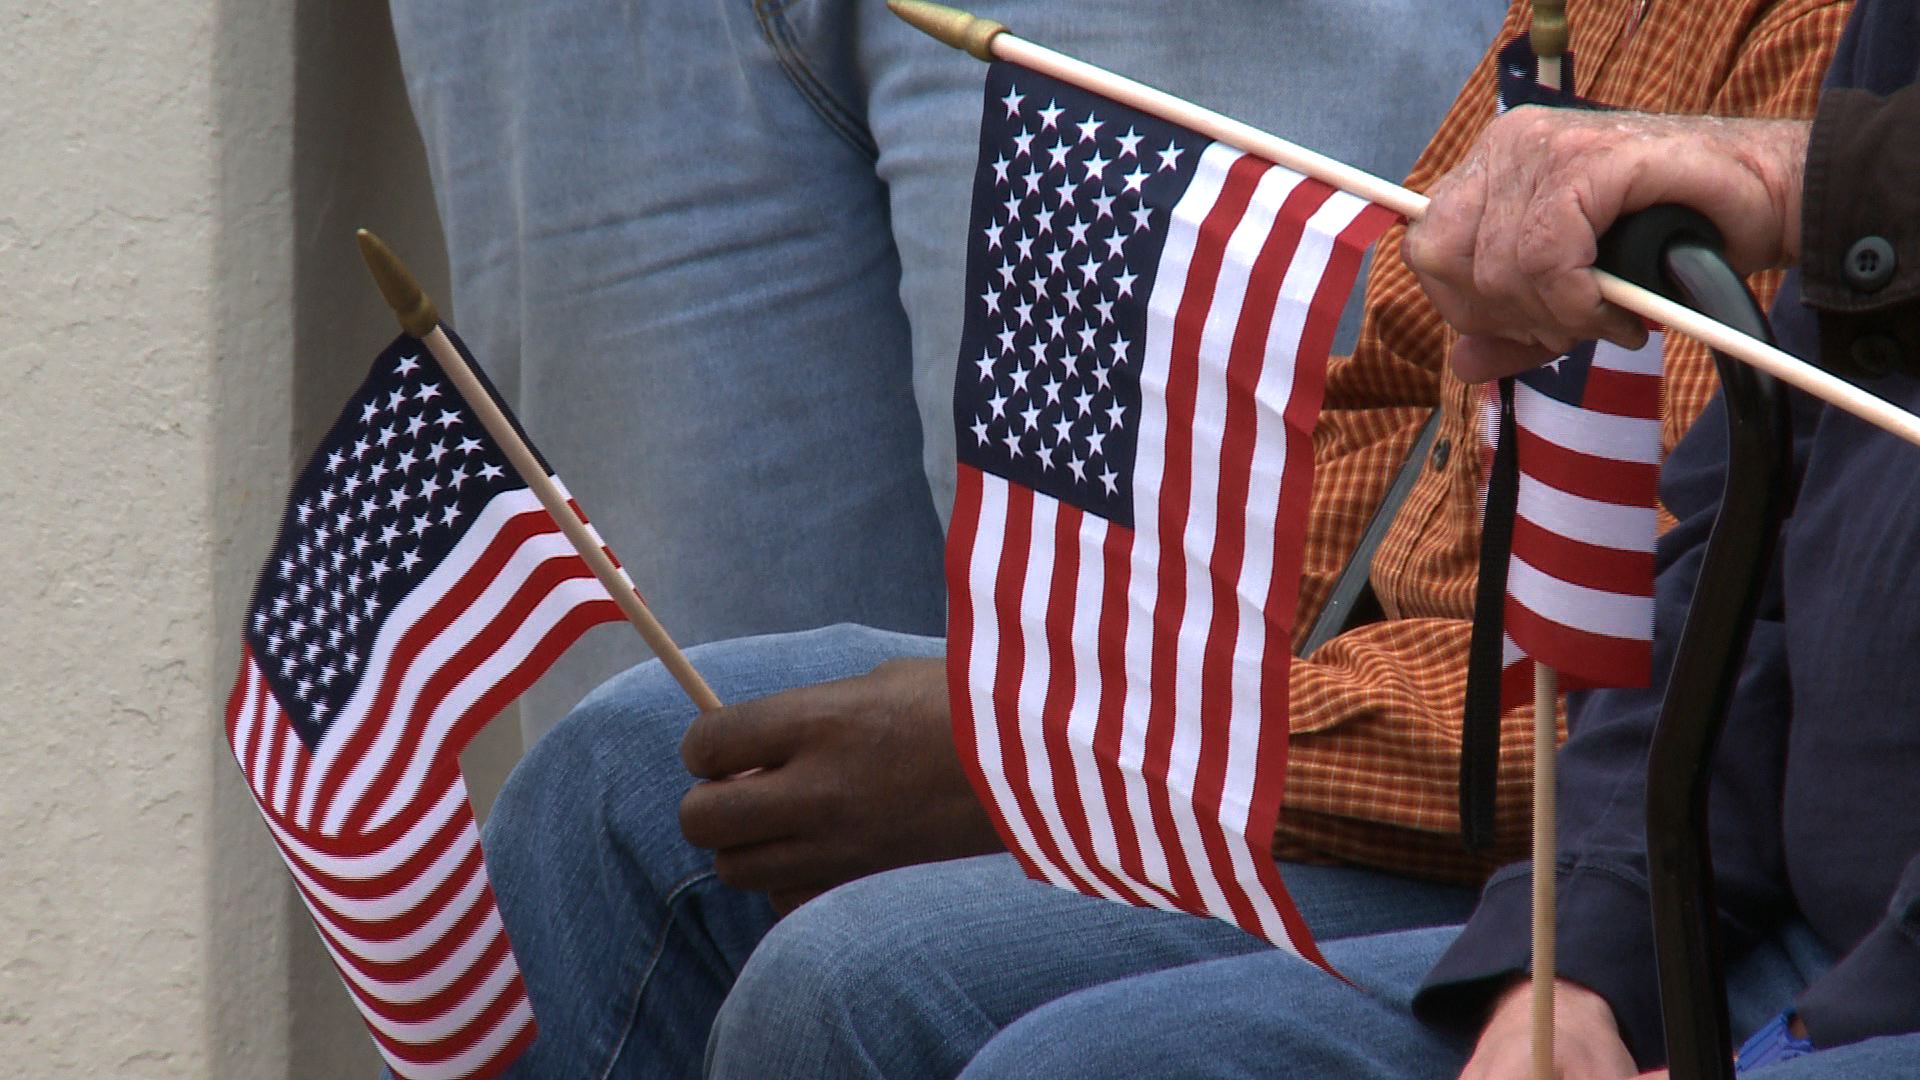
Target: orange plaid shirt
(1374,758)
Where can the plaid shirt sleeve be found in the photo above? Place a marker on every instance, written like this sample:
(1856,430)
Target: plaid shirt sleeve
(1374,758)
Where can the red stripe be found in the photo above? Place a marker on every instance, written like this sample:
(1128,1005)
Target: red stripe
(1625,573)
(1601,479)
(1583,659)
(475,1031)
(963,532)
(1621,393)
(1246,360)
(1009,666)
(1063,601)
(1176,493)
(1111,715)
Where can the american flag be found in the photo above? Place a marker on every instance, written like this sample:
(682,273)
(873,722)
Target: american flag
(1147,326)
(1579,588)
(417,587)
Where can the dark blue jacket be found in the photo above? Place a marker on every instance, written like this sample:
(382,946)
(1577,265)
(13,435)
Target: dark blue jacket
(1815,808)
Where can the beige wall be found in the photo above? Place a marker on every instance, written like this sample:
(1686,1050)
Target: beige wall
(179,314)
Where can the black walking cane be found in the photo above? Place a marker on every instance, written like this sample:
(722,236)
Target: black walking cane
(1676,252)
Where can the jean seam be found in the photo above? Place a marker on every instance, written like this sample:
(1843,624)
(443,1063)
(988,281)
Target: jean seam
(673,897)
(774,27)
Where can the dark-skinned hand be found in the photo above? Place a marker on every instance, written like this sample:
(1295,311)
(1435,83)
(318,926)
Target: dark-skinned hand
(810,788)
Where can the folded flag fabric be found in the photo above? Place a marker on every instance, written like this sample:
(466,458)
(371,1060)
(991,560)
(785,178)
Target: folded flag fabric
(416,587)
(1148,316)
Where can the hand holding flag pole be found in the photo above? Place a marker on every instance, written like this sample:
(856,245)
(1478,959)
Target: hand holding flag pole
(420,318)
(986,39)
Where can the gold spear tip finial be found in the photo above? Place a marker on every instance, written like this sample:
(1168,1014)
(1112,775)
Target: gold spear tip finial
(403,294)
(961,29)
(1548,34)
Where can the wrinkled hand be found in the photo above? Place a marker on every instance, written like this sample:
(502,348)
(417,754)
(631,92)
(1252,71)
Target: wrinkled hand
(1586,1042)
(1506,245)
(818,786)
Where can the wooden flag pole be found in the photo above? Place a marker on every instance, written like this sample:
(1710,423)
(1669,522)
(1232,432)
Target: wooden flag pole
(989,40)
(420,318)
(1548,36)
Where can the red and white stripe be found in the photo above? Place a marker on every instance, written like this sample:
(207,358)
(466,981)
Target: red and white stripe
(376,827)
(1120,695)
(1580,579)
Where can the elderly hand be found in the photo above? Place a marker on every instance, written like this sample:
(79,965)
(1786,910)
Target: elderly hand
(1505,249)
(1586,1043)
(818,786)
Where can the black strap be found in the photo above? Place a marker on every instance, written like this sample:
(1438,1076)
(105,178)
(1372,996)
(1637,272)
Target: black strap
(1480,724)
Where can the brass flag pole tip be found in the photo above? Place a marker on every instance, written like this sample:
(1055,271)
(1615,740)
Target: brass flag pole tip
(403,294)
(961,29)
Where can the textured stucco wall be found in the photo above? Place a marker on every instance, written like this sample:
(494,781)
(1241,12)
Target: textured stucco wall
(171,320)
(144,353)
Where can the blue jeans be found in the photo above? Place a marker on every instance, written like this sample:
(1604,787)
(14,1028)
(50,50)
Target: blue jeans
(712,250)
(1264,1014)
(629,944)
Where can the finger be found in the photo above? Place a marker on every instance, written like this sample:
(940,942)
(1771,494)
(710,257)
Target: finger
(751,735)
(1478,358)
(787,868)
(736,812)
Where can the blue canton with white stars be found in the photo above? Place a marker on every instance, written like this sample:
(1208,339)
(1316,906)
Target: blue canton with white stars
(1070,209)
(392,488)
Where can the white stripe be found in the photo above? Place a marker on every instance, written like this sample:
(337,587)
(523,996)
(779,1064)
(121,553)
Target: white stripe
(460,1066)
(441,975)
(293,751)
(1645,360)
(491,519)
(559,602)
(1596,612)
(459,1015)
(387,859)
(1601,524)
(984,572)
(263,735)
(1596,434)
(1035,677)
(467,624)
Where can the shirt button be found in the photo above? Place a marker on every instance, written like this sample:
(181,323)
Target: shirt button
(1870,264)
(1875,354)
(1442,450)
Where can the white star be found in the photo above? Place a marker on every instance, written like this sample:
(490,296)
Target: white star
(1130,144)
(1052,389)
(377,569)
(395,400)
(1089,128)
(993,235)
(468,446)
(360,447)
(1023,145)
(1104,203)
(1072,362)
(1006,274)
(367,506)
(1032,178)
(427,392)
(414,425)
(1079,231)
(1082,402)
(458,476)
(1000,164)
(1135,178)
(1079,467)
(1116,415)
(1086,334)
(408,364)
(1021,374)
(420,525)
(1029,417)
(398,498)
(490,472)
(1050,115)
(303,512)
(1057,155)
(286,568)
(985,364)
(335,460)
(1088,270)
(387,435)
(1096,440)
(1006,340)
(1039,351)
(1055,323)
(1073,300)
(410,560)
(1013,443)
(998,403)
(1025,244)
(1170,157)
(1100,374)
(1116,246)
(1094,168)
(1024,310)
(447,419)
(368,411)
(1142,218)
(1065,192)
(1056,259)
(1045,454)
(407,460)
(1105,307)
(450,515)
(351,484)
(429,487)
(1012,207)
(259,621)
(980,431)
(1012,100)
(1062,431)
(1107,477)
(388,534)
(1124,280)
(437,451)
